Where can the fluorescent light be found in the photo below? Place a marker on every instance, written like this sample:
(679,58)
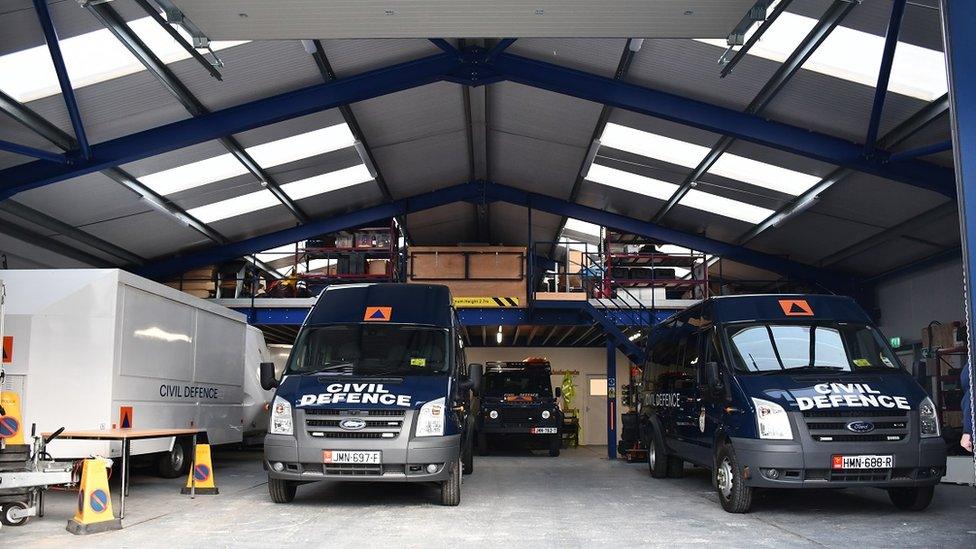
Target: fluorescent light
(276,253)
(855,56)
(267,155)
(327,182)
(90,58)
(296,191)
(690,155)
(662,190)
(498,337)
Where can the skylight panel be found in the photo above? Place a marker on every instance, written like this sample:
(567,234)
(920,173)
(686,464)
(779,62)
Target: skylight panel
(662,190)
(267,155)
(327,182)
(90,58)
(297,190)
(233,207)
(855,56)
(277,253)
(689,155)
(582,227)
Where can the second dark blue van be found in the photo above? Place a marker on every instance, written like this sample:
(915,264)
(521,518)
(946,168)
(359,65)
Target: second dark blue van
(774,391)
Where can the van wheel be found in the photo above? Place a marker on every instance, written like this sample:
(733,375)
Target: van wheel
(176,462)
(734,495)
(911,499)
(657,456)
(676,467)
(282,491)
(451,488)
(555,444)
(482,444)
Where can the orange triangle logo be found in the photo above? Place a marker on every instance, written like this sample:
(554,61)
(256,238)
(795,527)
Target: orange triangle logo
(378,314)
(125,417)
(795,307)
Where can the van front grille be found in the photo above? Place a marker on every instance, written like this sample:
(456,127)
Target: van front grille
(831,425)
(326,423)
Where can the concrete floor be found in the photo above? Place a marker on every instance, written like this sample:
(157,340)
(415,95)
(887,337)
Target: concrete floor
(577,500)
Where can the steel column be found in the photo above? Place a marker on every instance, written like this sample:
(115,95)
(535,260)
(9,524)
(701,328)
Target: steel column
(67,92)
(611,399)
(884,74)
(959,34)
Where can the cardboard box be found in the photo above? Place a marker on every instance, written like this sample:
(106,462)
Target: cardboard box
(952,419)
(945,336)
(492,271)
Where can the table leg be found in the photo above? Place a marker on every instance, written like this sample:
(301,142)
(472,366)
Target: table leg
(193,468)
(125,471)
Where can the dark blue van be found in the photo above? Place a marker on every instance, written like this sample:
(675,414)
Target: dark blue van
(786,391)
(376,389)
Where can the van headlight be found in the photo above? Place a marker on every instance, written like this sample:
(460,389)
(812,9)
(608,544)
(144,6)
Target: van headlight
(928,419)
(281,419)
(430,420)
(773,421)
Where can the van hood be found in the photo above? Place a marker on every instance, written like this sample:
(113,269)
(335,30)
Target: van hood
(813,392)
(362,393)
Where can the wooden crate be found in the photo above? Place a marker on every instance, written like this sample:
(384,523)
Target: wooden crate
(492,271)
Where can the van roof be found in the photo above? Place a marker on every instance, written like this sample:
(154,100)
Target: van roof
(426,304)
(736,308)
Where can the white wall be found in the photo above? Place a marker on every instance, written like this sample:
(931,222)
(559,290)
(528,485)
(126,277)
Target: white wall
(588,360)
(910,302)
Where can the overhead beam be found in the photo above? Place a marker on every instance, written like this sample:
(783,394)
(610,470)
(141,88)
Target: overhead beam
(60,248)
(121,30)
(784,73)
(229,121)
(33,152)
(884,74)
(721,120)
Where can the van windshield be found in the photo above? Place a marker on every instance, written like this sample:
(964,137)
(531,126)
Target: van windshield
(526,382)
(761,347)
(365,350)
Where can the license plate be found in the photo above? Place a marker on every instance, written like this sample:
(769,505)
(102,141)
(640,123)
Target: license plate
(347,456)
(862,462)
(543,430)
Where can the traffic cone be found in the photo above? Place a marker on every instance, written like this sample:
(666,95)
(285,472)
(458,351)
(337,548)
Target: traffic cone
(202,473)
(11,425)
(94,512)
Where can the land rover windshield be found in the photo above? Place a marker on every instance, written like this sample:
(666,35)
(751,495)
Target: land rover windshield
(820,346)
(518,382)
(365,350)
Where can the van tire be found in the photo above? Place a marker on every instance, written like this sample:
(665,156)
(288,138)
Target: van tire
(282,491)
(176,462)
(729,483)
(555,444)
(482,444)
(451,488)
(911,499)
(676,467)
(657,456)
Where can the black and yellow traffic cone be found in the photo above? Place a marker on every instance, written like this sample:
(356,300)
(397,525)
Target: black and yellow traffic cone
(94,512)
(201,476)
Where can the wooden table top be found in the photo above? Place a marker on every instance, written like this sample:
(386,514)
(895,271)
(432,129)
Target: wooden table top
(120,434)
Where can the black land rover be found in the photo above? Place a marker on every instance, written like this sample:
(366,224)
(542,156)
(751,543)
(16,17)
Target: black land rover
(519,403)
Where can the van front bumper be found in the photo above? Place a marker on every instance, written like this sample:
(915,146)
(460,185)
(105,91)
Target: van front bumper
(401,462)
(790,464)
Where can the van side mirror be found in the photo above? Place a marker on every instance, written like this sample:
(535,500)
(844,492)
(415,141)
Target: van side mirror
(558,392)
(268,380)
(476,373)
(714,374)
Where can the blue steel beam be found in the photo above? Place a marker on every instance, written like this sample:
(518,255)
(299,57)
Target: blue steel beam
(829,279)
(32,152)
(54,47)
(230,121)
(959,35)
(224,252)
(921,151)
(884,74)
(713,118)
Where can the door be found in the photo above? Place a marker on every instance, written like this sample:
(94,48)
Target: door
(687,412)
(595,428)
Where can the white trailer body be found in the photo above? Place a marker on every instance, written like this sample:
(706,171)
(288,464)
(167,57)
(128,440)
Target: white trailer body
(88,344)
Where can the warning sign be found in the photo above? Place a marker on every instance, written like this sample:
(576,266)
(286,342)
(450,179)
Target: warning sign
(125,417)
(8,349)
(795,307)
(378,314)
(485,302)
